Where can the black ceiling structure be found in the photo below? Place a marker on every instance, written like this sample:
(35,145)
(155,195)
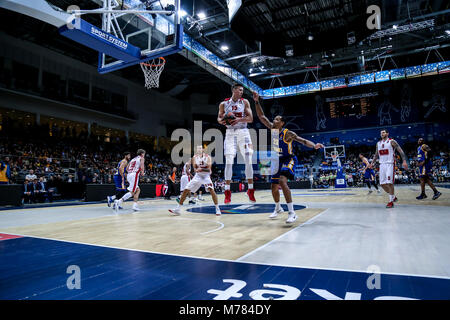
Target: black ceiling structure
(324,38)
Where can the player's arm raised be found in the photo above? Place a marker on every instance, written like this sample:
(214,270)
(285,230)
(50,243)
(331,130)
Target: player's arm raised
(290,135)
(401,152)
(260,112)
(221,114)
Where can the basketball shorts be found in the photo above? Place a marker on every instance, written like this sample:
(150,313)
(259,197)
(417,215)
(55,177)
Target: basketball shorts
(283,167)
(133,181)
(237,138)
(387,174)
(369,175)
(198,181)
(426,170)
(118,182)
(184,182)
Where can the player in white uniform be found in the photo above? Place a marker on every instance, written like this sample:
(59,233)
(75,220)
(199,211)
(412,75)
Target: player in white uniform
(186,176)
(237,135)
(202,167)
(385,153)
(135,169)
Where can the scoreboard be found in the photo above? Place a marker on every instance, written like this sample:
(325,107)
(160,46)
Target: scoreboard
(351,106)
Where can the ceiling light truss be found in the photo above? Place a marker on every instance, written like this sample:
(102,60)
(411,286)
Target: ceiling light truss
(403,29)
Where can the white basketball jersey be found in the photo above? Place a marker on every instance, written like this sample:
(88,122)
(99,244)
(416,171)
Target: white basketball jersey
(186,168)
(237,108)
(135,165)
(385,151)
(202,162)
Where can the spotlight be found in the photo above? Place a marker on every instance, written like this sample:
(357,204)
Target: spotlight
(310,37)
(254,60)
(224,47)
(395,27)
(201,15)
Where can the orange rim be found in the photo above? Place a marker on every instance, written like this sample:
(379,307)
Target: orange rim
(155,65)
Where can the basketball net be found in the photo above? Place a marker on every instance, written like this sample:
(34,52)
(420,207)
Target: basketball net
(152,70)
(334,157)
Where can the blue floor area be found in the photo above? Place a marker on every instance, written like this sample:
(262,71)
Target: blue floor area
(34,268)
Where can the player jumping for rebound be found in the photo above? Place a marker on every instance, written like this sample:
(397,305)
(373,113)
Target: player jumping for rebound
(119,178)
(385,154)
(425,167)
(237,135)
(135,169)
(369,174)
(282,140)
(202,167)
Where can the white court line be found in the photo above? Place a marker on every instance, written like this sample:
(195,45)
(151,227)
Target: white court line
(280,236)
(233,261)
(221,225)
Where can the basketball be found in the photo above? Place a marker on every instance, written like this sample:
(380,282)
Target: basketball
(229,117)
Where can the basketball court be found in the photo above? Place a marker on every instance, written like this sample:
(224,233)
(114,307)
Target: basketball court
(342,237)
(345,243)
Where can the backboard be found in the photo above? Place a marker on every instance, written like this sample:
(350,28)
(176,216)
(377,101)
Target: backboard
(339,151)
(155,34)
(131,31)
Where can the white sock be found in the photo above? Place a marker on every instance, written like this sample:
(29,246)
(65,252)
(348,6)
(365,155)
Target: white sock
(391,198)
(113,197)
(126,196)
(178,206)
(227,187)
(250,185)
(135,204)
(290,207)
(277,205)
(217,207)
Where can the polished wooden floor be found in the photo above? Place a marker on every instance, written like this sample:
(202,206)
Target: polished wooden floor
(151,254)
(155,229)
(196,234)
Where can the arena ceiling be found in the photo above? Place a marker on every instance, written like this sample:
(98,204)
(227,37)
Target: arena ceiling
(325,37)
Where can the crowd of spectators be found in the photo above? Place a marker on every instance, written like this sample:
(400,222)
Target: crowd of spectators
(353,166)
(42,157)
(56,156)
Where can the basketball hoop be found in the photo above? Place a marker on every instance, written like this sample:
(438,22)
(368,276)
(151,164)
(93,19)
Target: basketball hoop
(152,70)
(334,155)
